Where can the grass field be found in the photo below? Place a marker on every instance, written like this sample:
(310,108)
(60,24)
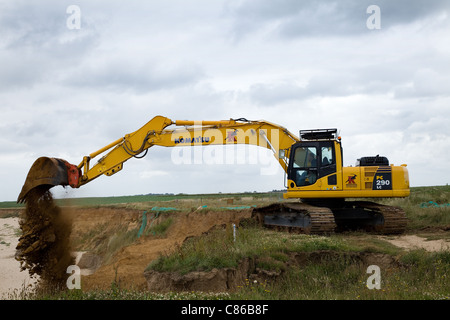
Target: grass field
(151,199)
(420,196)
(417,274)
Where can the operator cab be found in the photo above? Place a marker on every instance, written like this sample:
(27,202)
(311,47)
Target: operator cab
(313,157)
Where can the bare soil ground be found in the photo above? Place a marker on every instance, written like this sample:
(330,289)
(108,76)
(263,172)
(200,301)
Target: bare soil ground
(11,278)
(126,267)
(417,242)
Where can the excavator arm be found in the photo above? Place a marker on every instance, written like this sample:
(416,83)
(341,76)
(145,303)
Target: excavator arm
(159,131)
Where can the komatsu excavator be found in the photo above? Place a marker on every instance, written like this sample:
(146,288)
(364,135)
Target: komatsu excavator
(318,186)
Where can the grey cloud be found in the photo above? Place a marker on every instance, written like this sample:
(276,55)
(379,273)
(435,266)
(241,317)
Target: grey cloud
(269,95)
(302,64)
(293,18)
(137,77)
(325,85)
(26,67)
(273,94)
(42,27)
(403,79)
(36,45)
(425,83)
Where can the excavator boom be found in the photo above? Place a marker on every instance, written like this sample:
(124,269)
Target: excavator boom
(52,171)
(313,164)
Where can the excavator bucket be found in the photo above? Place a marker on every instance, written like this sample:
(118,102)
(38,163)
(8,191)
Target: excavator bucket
(49,172)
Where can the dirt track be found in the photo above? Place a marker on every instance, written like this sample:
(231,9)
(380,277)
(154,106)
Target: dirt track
(11,278)
(416,242)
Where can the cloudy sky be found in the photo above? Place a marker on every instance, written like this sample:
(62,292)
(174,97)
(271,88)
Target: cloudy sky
(74,79)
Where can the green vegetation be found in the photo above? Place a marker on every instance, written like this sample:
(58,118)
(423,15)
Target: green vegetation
(338,274)
(421,276)
(149,199)
(113,293)
(420,212)
(159,229)
(218,249)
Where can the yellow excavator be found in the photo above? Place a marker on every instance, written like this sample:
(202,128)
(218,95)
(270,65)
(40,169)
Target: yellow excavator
(312,162)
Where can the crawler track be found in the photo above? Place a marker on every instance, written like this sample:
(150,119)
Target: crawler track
(322,219)
(296,217)
(394,218)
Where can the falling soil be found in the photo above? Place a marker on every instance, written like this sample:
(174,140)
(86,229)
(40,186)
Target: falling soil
(44,247)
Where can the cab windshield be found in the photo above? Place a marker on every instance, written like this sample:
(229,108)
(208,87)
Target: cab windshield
(305,161)
(305,157)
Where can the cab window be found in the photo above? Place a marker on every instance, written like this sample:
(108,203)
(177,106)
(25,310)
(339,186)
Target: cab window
(305,165)
(305,157)
(327,156)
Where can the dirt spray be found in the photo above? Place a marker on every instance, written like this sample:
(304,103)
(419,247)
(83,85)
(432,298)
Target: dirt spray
(44,247)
